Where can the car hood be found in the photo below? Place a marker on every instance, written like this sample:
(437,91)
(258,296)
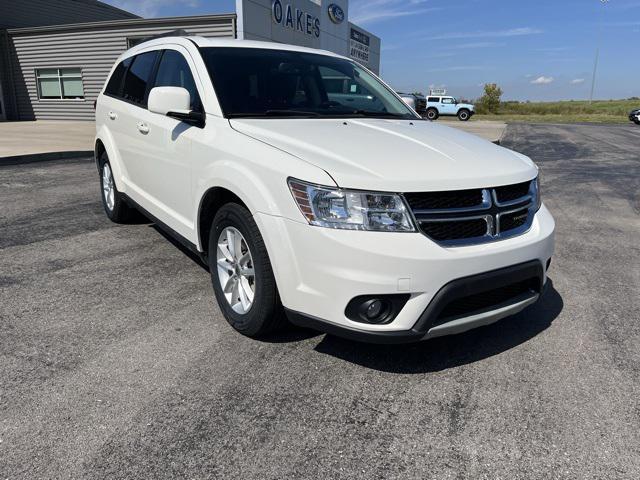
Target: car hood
(392,155)
(466,105)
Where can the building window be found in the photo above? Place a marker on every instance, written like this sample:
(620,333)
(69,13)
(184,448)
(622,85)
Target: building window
(133,41)
(59,83)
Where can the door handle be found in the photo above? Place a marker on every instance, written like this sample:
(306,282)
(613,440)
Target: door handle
(143,128)
(113,115)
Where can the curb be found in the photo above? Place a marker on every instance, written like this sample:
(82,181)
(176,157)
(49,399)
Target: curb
(45,157)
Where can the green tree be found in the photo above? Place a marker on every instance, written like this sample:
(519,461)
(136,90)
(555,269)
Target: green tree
(490,101)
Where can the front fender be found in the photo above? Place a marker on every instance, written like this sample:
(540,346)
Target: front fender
(254,171)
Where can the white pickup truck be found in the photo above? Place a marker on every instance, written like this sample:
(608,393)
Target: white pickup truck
(448,106)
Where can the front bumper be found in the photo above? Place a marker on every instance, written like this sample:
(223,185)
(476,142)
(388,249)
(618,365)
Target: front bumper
(319,271)
(428,326)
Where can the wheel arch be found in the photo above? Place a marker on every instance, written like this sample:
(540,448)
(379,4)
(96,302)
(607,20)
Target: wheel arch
(435,109)
(98,150)
(210,203)
(104,143)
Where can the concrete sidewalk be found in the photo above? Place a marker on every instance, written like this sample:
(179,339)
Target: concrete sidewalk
(48,140)
(45,140)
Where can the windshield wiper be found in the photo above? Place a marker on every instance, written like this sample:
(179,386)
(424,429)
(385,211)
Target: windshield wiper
(287,113)
(275,113)
(369,113)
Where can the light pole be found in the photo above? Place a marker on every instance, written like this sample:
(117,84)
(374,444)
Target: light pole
(595,63)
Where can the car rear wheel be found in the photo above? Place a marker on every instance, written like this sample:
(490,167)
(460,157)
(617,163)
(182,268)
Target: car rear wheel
(241,273)
(637,121)
(464,115)
(432,114)
(112,200)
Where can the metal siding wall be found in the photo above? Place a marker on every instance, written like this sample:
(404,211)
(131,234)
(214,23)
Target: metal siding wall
(5,80)
(30,13)
(94,52)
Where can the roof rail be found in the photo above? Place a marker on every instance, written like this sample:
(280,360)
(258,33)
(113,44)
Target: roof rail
(173,33)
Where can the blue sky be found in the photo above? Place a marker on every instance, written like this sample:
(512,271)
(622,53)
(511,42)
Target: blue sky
(535,50)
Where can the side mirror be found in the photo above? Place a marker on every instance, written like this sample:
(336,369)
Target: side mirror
(174,102)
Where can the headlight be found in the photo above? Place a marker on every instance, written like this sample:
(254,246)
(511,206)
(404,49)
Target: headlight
(535,193)
(351,209)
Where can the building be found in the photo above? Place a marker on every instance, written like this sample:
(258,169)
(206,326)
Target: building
(55,55)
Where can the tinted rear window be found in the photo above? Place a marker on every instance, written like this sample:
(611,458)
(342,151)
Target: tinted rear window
(114,87)
(434,99)
(137,78)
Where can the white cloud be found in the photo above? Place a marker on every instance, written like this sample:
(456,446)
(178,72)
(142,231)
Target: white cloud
(460,68)
(553,49)
(577,81)
(512,32)
(542,80)
(464,46)
(151,8)
(371,11)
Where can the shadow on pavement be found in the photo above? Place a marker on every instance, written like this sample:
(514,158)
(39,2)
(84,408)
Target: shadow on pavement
(452,351)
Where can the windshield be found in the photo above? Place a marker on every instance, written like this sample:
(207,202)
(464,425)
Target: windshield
(255,82)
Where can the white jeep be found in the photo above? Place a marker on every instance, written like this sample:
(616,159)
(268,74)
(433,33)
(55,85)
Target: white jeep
(348,214)
(438,106)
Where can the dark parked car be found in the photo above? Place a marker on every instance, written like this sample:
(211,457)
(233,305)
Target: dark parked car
(415,101)
(634,116)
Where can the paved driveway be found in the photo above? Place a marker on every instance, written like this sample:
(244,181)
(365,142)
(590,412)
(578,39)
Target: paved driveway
(115,362)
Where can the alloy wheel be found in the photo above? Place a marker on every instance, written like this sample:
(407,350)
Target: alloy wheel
(108,188)
(235,270)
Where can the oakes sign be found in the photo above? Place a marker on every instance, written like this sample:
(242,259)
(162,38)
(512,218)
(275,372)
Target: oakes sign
(294,18)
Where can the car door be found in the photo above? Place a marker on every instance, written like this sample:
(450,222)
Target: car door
(111,112)
(166,160)
(448,106)
(128,124)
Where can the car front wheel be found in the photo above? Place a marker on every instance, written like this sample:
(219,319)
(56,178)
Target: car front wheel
(241,273)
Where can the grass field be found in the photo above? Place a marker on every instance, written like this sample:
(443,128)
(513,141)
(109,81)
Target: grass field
(600,111)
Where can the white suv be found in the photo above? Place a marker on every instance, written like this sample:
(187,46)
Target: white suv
(350,215)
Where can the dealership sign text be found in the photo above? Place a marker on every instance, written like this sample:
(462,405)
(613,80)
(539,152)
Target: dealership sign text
(294,18)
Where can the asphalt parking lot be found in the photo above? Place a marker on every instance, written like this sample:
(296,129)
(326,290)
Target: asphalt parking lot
(116,363)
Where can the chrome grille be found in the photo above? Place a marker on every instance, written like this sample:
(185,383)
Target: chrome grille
(467,217)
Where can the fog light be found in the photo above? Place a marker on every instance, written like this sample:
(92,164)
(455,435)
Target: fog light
(374,309)
(378,309)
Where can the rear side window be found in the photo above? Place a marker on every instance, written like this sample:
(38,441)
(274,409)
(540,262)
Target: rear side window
(434,99)
(137,78)
(174,71)
(114,87)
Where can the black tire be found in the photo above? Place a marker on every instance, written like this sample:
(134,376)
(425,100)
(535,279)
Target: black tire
(119,211)
(432,114)
(266,313)
(637,122)
(464,115)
